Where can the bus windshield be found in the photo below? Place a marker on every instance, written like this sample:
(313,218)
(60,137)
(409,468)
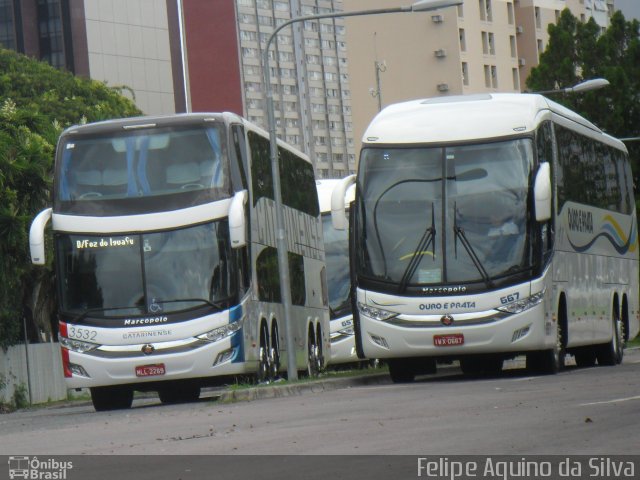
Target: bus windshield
(444,215)
(337,258)
(131,171)
(145,274)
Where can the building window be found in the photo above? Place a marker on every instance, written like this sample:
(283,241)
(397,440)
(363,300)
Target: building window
(485,42)
(512,46)
(487,76)
(461,11)
(463,40)
(7,25)
(538,19)
(465,74)
(510,14)
(516,79)
(492,44)
(51,34)
(540,47)
(494,76)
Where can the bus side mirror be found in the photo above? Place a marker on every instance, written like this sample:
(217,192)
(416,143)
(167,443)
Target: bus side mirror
(237,220)
(338,203)
(542,193)
(36,237)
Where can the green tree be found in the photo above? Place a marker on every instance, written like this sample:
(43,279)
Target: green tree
(579,51)
(36,103)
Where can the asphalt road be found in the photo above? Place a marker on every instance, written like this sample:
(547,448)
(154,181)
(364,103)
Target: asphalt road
(593,411)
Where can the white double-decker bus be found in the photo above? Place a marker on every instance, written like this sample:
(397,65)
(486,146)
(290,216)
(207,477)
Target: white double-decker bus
(489,226)
(336,247)
(166,256)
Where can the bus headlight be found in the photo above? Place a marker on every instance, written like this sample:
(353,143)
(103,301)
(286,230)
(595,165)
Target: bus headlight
(524,304)
(221,332)
(76,345)
(375,313)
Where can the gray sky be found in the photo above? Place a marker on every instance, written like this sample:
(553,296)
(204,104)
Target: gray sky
(630,8)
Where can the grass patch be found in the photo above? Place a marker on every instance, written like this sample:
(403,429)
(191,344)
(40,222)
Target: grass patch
(634,343)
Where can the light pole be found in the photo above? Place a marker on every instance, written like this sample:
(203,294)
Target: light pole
(586,86)
(281,243)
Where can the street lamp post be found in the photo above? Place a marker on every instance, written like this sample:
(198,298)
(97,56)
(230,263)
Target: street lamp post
(586,86)
(283,261)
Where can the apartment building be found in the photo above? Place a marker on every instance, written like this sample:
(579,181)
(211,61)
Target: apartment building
(204,55)
(479,46)
(329,77)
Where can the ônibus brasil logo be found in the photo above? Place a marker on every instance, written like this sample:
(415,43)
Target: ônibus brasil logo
(33,468)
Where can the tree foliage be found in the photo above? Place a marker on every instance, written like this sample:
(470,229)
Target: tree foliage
(579,51)
(36,102)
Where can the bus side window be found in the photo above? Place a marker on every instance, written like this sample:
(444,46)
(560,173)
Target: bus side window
(238,158)
(544,147)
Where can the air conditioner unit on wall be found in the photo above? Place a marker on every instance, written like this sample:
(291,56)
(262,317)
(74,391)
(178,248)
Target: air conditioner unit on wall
(519,29)
(443,87)
(437,18)
(522,62)
(440,53)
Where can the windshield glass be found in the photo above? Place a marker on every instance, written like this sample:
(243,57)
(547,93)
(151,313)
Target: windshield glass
(429,216)
(123,171)
(337,258)
(145,274)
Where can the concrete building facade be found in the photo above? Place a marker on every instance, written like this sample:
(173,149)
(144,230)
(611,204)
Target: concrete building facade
(329,77)
(479,46)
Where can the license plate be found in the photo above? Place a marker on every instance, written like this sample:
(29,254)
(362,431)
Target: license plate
(448,340)
(150,370)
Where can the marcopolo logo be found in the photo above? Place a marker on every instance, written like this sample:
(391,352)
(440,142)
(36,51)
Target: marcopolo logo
(36,469)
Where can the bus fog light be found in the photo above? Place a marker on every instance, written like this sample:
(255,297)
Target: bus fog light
(520,333)
(375,313)
(381,341)
(224,356)
(78,370)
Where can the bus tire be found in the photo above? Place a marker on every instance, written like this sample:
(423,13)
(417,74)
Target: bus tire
(275,352)
(179,393)
(264,356)
(551,361)
(313,362)
(116,397)
(481,365)
(611,353)
(401,370)
(585,357)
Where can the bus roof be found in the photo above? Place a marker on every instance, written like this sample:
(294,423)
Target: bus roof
(464,118)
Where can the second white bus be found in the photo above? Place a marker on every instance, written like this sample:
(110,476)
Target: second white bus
(490,226)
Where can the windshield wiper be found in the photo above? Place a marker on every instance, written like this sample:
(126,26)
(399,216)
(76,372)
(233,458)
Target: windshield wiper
(98,309)
(459,233)
(428,238)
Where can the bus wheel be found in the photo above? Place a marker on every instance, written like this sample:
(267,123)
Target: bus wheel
(401,370)
(313,369)
(611,353)
(585,357)
(264,360)
(274,355)
(111,398)
(548,361)
(179,393)
(481,365)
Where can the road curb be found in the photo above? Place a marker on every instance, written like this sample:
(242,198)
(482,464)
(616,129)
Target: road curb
(287,390)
